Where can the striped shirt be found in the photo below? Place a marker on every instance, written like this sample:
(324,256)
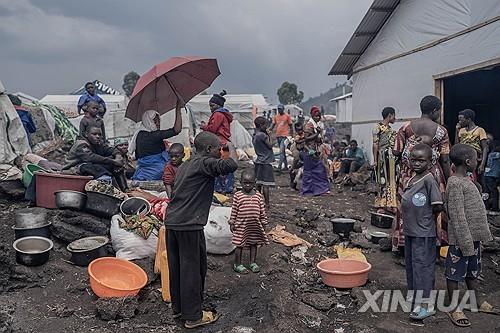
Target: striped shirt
(248,217)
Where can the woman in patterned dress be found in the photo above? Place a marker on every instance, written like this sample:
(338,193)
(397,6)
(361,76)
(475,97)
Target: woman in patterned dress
(423,130)
(385,162)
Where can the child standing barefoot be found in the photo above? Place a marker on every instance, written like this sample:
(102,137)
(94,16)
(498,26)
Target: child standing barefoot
(248,217)
(467,228)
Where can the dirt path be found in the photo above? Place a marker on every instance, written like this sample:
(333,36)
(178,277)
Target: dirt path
(56,297)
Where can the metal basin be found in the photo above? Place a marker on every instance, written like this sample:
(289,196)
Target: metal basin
(32,250)
(343,226)
(135,206)
(42,230)
(85,250)
(102,205)
(70,200)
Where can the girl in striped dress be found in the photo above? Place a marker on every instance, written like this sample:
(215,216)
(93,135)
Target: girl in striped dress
(248,217)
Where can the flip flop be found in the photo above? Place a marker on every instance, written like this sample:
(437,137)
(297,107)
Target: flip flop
(485,307)
(240,269)
(254,267)
(422,314)
(459,315)
(208,317)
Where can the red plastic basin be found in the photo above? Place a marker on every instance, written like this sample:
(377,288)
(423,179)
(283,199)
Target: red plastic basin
(344,273)
(49,183)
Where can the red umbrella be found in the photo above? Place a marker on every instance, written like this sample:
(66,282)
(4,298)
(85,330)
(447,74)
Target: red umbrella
(177,78)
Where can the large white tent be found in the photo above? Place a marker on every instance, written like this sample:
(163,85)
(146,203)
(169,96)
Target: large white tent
(404,50)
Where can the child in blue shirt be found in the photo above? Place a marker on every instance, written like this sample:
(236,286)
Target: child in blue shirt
(491,179)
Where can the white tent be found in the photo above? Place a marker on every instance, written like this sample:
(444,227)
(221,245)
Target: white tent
(404,50)
(244,108)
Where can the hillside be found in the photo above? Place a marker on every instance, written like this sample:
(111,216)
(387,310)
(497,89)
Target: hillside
(324,98)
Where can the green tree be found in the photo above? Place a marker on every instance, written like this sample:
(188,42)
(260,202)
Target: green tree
(287,94)
(129,82)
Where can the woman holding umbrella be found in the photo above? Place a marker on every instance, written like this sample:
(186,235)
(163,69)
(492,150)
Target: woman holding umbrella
(219,123)
(148,146)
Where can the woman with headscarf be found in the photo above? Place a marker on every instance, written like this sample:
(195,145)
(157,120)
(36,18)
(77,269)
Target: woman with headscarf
(315,178)
(219,123)
(148,145)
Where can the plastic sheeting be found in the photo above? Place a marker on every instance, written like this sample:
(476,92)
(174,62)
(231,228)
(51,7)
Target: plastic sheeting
(403,82)
(240,137)
(13,139)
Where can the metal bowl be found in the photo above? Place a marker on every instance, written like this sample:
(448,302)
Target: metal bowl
(85,250)
(30,217)
(33,250)
(343,226)
(102,205)
(376,236)
(70,200)
(135,206)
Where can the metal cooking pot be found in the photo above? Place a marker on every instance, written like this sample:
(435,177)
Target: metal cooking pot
(85,250)
(33,250)
(383,221)
(70,200)
(40,230)
(30,217)
(376,236)
(102,205)
(343,226)
(135,206)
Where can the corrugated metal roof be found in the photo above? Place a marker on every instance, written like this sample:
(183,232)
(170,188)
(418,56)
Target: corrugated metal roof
(374,19)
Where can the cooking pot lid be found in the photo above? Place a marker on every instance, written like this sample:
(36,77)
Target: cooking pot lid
(383,215)
(87,243)
(343,220)
(379,234)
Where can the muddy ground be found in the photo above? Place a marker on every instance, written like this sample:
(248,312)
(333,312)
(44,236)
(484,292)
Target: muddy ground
(287,296)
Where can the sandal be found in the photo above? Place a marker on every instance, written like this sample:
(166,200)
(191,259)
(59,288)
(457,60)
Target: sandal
(240,269)
(421,314)
(208,317)
(254,267)
(458,318)
(485,307)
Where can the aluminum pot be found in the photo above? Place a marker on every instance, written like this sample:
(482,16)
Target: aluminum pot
(135,206)
(383,221)
(30,217)
(85,250)
(102,205)
(343,226)
(40,230)
(32,250)
(376,236)
(70,200)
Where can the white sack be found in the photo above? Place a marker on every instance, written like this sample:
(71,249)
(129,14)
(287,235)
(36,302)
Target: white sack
(218,236)
(129,245)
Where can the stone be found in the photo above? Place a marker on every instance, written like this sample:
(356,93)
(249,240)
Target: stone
(12,188)
(311,317)
(358,227)
(311,215)
(319,301)
(69,226)
(242,329)
(326,236)
(492,246)
(359,240)
(148,266)
(385,244)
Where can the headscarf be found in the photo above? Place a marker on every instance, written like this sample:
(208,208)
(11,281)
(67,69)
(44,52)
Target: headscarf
(120,141)
(147,125)
(218,98)
(315,111)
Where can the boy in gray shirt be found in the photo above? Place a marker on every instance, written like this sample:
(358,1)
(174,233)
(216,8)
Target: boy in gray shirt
(420,202)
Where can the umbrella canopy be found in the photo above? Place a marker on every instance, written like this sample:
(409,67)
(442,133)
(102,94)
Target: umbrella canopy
(177,78)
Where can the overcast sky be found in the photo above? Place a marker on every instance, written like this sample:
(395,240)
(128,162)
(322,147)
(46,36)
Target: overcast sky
(54,46)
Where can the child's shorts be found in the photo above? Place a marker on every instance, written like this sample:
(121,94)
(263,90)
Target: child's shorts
(264,174)
(458,267)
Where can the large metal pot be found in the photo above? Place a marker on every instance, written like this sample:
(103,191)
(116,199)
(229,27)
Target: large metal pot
(343,226)
(30,217)
(33,250)
(383,221)
(38,230)
(70,200)
(102,205)
(85,250)
(135,206)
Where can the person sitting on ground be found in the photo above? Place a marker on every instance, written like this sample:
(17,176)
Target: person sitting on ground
(90,119)
(120,153)
(148,147)
(467,228)
(247,221)
(353,160)
(492,180)
(420,203)
(90,95)
(297,146)
(176,153)
(283,123)
(470,134)
(90,156)
(187,216)
(265,156)
(26,119)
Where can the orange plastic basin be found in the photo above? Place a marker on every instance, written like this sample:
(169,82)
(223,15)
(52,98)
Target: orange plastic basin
(343,273)
(113,277)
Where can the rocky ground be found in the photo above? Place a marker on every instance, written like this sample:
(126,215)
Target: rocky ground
(287,296)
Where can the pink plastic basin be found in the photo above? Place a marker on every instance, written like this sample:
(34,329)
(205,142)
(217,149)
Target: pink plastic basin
(343,273)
